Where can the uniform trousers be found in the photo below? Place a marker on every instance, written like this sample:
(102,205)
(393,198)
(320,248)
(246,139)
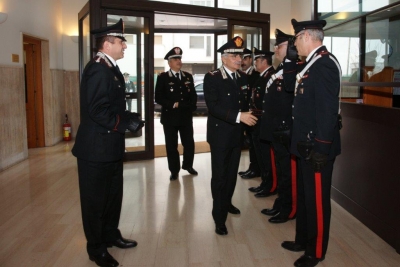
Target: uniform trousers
(254,164)
(171,143)
(284,202)
(313,207)
(262,150)
(101,190)
(224,167)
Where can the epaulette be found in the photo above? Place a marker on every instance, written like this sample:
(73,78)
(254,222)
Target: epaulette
(102,58)
(162,73)
(213,72)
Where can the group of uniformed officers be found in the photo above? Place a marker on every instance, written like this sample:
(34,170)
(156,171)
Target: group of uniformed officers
(290,116)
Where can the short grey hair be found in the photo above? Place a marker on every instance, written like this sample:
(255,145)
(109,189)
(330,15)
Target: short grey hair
(316,35)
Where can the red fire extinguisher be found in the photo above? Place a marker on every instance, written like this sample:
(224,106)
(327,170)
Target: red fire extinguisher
(66,129)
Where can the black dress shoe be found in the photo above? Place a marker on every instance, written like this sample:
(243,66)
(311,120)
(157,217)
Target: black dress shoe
(244,172)
(232,209)
(292,246)
(173,176)
(279,218)
(220,229)
(191,170)
(250,175)
(307,261)
(255,189)
(104,259)
(265,193)
(122,243)
(270,212)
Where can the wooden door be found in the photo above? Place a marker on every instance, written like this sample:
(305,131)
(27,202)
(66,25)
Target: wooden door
(33,93)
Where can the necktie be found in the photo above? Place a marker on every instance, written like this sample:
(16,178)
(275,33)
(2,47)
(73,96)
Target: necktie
(177,75)
(234,77)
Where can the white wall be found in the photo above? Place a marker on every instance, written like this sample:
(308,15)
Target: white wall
(282,12)
(45,19)
(70,51)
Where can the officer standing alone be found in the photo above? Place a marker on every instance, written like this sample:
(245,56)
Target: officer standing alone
(176,94)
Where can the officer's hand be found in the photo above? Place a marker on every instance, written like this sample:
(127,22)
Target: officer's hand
(176,105)
(291,52)
(248,119)
(135,124)
(318,161)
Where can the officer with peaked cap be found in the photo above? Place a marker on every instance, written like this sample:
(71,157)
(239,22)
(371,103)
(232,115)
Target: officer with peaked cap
(315,140)
(176,94)
(225,91)
(100,145)
(263,64)
(277,121)
(252,75)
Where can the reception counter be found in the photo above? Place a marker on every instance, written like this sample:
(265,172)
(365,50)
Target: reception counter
(366,177)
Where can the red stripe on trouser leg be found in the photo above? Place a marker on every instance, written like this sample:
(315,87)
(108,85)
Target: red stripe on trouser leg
(294,186)
(274,177)
(320,218)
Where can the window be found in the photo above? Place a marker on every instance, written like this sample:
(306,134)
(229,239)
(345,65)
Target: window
(196,42)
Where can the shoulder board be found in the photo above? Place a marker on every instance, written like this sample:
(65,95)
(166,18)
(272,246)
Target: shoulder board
(102,58)
(213,72)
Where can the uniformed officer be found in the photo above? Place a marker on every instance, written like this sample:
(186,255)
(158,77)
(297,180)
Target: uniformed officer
(176,94)
(100,145)
(263,64)
(277,115)
(252,75)
(129,88)
(315,140)
(224,91)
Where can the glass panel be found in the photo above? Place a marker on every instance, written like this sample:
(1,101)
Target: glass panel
(197,59)
(221,40)
(243,5)
(251,35)
(335,12)
(344,43)
(209,3)
(132,65)
(382,57)
(86,41)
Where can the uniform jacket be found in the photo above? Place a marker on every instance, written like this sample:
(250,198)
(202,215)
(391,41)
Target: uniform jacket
(277,105)
(103,121)
(169,90)
(252,77)
(258,91)
(225,99)
(316,104)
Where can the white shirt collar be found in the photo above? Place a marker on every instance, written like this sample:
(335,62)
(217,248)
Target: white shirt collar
(228,71)
(111,59)
(261,74)
(312,53)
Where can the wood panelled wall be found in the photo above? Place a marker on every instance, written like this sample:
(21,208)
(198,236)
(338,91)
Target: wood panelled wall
(60,97)
(13,138)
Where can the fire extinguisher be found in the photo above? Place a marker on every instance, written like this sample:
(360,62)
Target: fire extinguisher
(66,129)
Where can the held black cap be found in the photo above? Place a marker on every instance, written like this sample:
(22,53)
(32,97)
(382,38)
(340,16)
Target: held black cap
(174,52)
(299,26)
(233,46)
(281,37)
(259,53)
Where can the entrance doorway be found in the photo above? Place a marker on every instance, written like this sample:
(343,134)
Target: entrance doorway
(204,26)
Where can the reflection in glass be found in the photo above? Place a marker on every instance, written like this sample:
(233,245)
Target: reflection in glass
(86,41)
(344,43)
